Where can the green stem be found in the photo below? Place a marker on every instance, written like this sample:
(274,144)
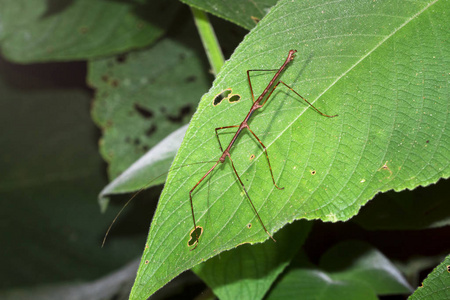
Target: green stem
(209,40)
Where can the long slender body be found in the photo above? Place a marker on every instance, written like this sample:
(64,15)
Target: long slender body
(256,105)
(226,153)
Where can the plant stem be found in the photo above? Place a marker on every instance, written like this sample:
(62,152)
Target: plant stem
(209,40)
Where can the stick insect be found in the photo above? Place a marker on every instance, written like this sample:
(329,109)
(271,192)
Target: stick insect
(273,84)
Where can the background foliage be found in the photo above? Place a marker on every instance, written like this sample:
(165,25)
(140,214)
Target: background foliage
(382,66)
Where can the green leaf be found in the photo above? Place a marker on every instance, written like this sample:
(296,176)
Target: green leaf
(379,65)
(435,286)
(143,98)
(312,284)
(48,30)
(243,13)
(247,272)
(350,270)
(359,262)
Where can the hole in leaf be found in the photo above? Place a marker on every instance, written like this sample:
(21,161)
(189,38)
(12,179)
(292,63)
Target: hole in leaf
(222,95)
(121,58)
(183,112)
(195,235)
(143,111)
(151,130)
(234,98)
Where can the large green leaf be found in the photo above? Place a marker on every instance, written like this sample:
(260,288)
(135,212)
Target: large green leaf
(245,13)
(382,66)
(350,270)
(48,30)
(436,285)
